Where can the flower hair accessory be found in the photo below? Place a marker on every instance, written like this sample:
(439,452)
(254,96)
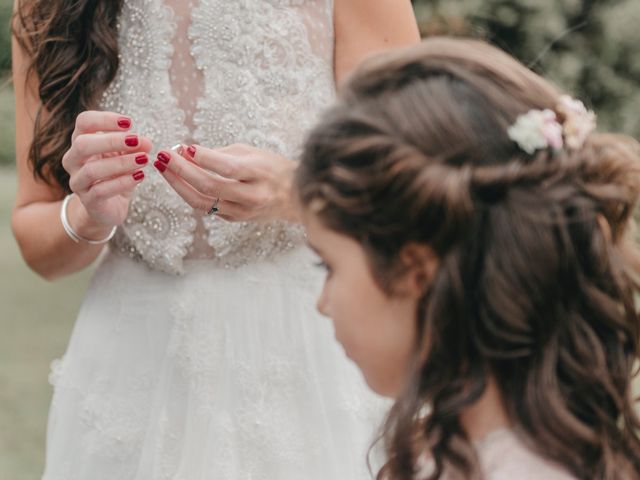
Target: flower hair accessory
(542,129)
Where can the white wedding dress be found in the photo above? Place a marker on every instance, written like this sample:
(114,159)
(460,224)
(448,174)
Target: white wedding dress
(197,353)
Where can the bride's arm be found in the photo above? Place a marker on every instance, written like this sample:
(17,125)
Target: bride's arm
(97,181)
(364,27)
(45,247)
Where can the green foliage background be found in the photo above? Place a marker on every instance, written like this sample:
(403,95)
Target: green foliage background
(5,50)
(588,47)
(7,124)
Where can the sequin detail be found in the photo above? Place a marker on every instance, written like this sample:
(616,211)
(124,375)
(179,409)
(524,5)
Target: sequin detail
(267,73)
(159,227)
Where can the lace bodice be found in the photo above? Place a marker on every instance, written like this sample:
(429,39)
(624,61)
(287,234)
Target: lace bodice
(217,72)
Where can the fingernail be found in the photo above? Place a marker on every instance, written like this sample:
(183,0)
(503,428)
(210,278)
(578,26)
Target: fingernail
(164,157)
(139,175)
(191,151)
(124,122)
(131,140)
(141,159)
(160,166)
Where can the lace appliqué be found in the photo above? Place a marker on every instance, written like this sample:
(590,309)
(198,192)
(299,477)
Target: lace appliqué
(142,87)
(116,422)
(159,228)
(160,224)
(263,395)
(262,49)
(268,72)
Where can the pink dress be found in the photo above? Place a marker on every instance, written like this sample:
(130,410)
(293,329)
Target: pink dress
(504,456)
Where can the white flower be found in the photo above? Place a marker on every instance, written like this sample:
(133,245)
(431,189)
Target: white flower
(536,130)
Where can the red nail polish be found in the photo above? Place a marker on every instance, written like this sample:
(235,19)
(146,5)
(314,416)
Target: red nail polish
(141,159)
(131,140)
(124,123)
(191,151)
(164,157)
(160,166)
(139,175)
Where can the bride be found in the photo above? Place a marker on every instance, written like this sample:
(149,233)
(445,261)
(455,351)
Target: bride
(196,353)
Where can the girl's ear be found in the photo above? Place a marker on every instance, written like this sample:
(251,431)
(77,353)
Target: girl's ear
(419,265)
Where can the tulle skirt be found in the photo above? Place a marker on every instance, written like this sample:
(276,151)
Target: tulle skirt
(225,374)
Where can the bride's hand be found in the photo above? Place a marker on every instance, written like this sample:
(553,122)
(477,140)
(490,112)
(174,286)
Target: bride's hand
(251,184)
(104,164)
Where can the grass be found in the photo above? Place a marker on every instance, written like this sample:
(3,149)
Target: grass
(35,323)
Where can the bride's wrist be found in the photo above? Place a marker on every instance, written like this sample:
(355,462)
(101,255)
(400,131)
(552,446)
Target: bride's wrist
(82,223)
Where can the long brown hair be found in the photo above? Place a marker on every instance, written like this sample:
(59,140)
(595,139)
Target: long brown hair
(537,274)
(73,52)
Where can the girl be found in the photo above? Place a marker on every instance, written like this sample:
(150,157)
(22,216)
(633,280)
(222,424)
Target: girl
(475,229)
(188,360)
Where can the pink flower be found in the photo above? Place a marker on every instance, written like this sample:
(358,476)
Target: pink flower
(578,124)
(552,130)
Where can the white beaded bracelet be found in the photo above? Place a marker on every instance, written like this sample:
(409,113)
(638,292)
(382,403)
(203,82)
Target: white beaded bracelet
(72,233)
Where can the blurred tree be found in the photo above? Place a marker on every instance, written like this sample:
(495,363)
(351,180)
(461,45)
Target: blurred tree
(7,123)
(6,7)
(588,47)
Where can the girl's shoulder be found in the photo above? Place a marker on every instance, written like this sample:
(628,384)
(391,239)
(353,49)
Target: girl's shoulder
(504,456)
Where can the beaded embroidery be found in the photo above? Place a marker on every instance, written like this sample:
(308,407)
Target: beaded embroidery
(267,74)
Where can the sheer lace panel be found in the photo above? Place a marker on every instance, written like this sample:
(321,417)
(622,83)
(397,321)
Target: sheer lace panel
(217,72)
(187,82)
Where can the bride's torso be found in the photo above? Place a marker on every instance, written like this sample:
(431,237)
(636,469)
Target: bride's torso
(214,73)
